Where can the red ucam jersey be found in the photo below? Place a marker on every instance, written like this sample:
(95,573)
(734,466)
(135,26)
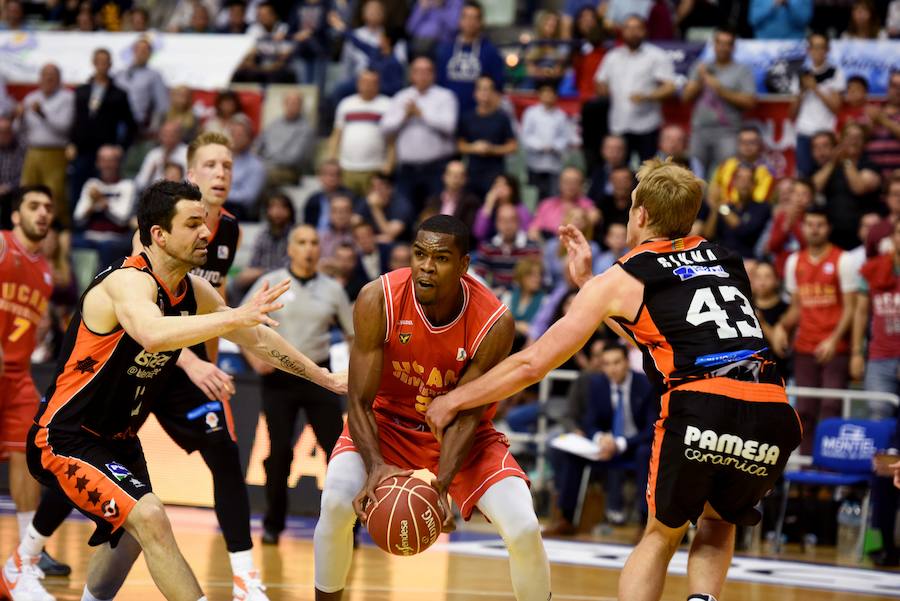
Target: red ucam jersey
(25,288)
(821,285)
(422,361)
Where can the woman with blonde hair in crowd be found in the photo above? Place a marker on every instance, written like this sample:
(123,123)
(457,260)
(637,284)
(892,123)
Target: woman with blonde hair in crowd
(526,297)
(547,54)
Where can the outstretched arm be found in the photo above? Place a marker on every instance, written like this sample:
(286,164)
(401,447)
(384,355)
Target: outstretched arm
(263,342)
(599,298)
(457,439)
(128,298)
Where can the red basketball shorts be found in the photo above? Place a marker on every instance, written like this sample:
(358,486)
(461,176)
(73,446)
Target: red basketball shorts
(18,406)
(489,460)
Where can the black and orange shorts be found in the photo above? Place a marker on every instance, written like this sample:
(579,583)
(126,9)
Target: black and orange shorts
(722,442)
(103,479)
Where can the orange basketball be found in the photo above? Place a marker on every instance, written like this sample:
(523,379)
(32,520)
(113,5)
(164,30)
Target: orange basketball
(407,518)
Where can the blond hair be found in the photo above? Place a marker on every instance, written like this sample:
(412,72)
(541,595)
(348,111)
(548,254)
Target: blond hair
(671,195)
(523,269)
(206,139)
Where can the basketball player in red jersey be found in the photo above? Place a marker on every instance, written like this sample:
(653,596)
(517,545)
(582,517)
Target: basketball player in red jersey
(725,430)
(121,346)
(26,288)
(419,331)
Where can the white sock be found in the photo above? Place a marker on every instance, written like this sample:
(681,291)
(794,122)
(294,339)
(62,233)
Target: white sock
(241,562)
(24,518)
(87,596)
(32,543)
(203,598)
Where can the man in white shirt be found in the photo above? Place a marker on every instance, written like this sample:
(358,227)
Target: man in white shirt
(818,87)
(357,141)
(104,209)
(45,119)
(423,119)
(636,77)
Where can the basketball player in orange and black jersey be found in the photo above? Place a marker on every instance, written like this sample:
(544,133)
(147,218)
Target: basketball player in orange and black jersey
(419,331)
(194,406)
(194,409)
(120,347)
(725,430)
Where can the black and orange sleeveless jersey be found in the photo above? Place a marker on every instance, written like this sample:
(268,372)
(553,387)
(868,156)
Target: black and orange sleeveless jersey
(696,320)
(220,252)
(102,380)
(219,257)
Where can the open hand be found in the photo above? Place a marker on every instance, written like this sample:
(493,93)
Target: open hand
(578,251)
(256,310)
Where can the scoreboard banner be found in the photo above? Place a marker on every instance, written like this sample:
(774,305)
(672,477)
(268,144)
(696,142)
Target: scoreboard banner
(199,61)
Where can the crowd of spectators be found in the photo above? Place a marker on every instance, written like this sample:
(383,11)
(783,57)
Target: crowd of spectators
(417,122)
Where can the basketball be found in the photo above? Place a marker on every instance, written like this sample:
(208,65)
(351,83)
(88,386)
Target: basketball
(407,518)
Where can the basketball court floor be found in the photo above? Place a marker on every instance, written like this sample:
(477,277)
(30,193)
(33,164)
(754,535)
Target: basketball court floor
(469,565)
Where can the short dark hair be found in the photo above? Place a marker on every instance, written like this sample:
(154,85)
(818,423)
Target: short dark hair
(157,205)
(101,51)
(860,80)
(750,128)
(826,133)
(615,346)
(452,226)
(19,195)
(284,200)
(474,4)
(818,211)
(727,31)
(806,183)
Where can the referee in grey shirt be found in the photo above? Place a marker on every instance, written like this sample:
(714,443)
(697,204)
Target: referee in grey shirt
(312,305)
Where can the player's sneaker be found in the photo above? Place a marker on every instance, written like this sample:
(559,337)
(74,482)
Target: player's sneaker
(20,581)
(248,588)
(51,567)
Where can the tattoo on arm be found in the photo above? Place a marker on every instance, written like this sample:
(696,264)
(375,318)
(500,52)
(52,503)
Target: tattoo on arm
(288,364)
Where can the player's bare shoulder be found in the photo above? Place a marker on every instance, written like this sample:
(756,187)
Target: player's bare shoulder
(369,319)
(118,286)
(616,289)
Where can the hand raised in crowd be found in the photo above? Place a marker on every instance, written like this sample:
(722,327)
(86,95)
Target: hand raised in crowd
(874,113)
(336,22)
(412,109)
(807,81)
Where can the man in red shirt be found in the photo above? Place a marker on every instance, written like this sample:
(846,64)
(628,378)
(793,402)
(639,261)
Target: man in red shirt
(879,298)
(420,332)
(878,241)
(25,288)
(822,283)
